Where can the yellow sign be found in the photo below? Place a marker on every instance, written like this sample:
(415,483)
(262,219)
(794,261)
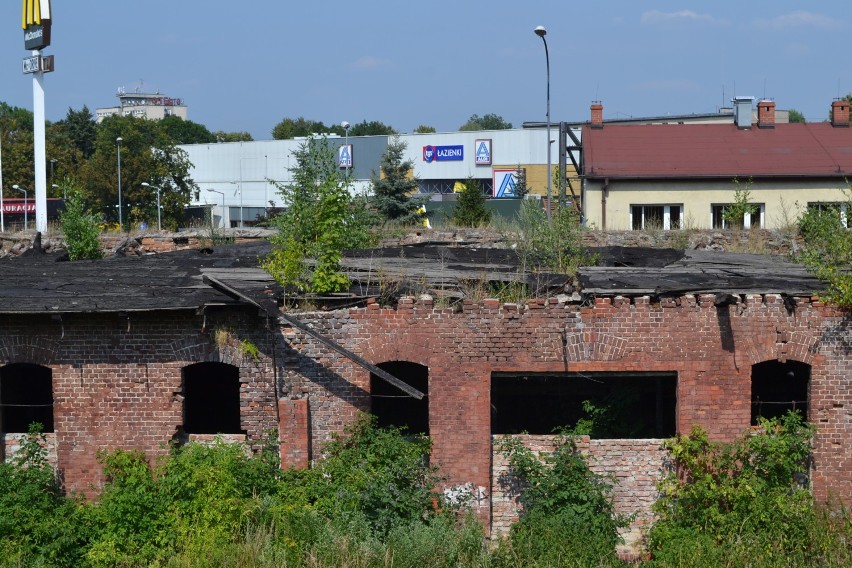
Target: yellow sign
(34,12)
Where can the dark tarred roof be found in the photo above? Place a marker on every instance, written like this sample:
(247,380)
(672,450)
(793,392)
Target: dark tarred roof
(717,150)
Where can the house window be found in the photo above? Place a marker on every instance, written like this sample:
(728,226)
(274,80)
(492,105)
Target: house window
(840,207)
(211,402)
(606,404)
(26,397)
(750,221)
(646,217)
(392,407)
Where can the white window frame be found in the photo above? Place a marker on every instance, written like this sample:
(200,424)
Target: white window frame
(747,219)
(667,214)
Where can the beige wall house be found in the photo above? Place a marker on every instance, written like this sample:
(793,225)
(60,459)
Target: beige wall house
(671,176)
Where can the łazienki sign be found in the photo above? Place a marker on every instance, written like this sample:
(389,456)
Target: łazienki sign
(443,153)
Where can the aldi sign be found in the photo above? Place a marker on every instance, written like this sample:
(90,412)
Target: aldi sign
(443,154)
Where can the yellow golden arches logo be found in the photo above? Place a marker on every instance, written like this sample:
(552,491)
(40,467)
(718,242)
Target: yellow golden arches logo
(34,11)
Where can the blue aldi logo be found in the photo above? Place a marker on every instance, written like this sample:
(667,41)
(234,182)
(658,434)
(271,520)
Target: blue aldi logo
(482,154)
(443,154)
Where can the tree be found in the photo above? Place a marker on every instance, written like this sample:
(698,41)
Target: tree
(470,209)
(222,136)
(81,129)
(487,122)
(149,155)
(735,213)
(828,249)
(320,221)
(185,131)
(424,129)
(372,128)
(521,189)
(394,186)
(80,228)
(795,116)
(298,128)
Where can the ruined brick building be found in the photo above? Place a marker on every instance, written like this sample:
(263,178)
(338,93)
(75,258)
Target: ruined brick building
(138,352)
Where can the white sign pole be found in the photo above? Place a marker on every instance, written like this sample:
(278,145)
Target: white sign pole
(39,152)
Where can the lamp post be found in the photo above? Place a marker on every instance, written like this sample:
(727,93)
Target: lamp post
(52,169)
(118,144)
(146,184)
(64,191)
(346,126)
(541,32)
(19,188)
(222,193)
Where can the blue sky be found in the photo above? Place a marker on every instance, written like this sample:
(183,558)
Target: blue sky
(245,65)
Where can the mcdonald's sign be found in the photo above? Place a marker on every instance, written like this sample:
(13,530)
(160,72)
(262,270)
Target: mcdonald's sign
(35,21)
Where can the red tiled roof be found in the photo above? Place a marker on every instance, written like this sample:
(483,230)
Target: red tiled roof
(717,150)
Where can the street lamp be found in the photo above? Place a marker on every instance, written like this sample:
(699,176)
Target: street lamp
(52,168)
(19,188)
(64,192)
(345,126)
(118,144)
(146,184)
(222,193)
(541,32)
(240,191)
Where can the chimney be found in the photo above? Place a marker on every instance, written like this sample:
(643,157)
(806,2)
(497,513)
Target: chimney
(766,114)
(742,111)
(840,113)
(597,115)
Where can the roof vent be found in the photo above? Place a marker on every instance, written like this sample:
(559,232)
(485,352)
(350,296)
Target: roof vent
(742,111)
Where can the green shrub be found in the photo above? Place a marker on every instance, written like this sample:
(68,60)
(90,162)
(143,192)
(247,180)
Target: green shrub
(730,503)
(828,251)
(80,228)
(568,516)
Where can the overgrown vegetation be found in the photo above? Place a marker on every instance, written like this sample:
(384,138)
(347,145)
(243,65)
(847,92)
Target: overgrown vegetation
(828,249)
(556,246)
(80,228)
(735,213)
(371,501)
(321,220)
(746,503)
(568,517)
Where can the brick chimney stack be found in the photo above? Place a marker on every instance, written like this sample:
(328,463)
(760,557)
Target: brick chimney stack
(840,113)
(597,115)
(766,114)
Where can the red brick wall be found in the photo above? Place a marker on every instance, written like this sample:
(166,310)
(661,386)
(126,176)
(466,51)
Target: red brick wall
(117,379)
(633,466)
(711,350)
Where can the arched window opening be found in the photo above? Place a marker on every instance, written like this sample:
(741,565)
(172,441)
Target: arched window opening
(26,396)
(211,402)
(777,388)
(392,407)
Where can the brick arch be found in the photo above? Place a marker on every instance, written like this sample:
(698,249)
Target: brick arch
(785,346)
(395,350)
(41,350)
(594,346)
(199,351)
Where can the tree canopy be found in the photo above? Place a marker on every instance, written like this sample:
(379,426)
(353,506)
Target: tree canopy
(302,127)
(371,128)
(486,122)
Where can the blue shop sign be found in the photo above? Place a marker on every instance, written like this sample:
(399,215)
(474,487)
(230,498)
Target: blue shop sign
(443,153)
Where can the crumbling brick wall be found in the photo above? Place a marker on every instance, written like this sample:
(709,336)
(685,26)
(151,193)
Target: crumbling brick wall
(712,350)
(633,467)
(116,379)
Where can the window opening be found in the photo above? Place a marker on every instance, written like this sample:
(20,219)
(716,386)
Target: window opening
(777,388)
(606,405)
(211,399)
(26,396)
(392,407)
